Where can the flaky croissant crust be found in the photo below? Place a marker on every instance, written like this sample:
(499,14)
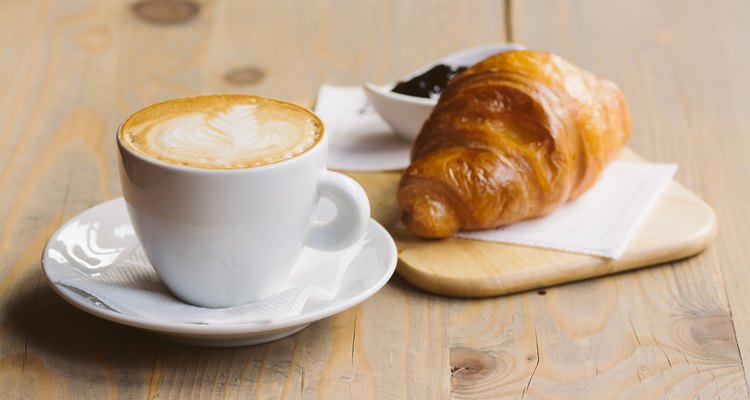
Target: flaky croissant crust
(511,138)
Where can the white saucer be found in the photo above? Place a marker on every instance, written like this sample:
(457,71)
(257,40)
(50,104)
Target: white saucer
(98,238)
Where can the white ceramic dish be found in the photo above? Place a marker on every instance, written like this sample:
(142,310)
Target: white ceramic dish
(102,235)
(406,114)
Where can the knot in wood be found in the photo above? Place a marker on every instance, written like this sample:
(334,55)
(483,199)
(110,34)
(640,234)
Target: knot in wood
(166,11)
(245,76)
(714,334)
(469,366)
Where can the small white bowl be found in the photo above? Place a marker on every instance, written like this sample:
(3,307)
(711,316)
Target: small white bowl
(406,114)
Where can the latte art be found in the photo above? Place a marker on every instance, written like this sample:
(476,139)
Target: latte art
(222,131)
(229,138)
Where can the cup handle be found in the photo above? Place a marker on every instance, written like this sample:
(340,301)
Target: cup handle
(352,213)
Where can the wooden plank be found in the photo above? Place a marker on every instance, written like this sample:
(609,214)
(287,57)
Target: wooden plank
(75,69)
(661,332)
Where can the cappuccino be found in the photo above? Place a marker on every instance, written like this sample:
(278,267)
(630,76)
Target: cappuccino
(221,131)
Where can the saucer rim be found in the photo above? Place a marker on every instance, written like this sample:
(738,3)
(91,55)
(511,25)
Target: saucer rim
(207,330)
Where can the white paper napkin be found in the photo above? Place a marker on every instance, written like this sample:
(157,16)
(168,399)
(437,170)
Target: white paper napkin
(133,288)
(600,222)
(360,139)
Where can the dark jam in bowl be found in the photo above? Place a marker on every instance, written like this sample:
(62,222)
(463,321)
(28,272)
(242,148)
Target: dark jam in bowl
(430,84)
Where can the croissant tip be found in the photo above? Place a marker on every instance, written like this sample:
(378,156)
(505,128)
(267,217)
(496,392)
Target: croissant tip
(431,219)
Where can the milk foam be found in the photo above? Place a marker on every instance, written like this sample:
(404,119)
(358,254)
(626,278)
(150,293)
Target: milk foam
(237,136)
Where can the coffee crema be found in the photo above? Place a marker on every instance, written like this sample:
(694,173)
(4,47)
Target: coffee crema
(221,131)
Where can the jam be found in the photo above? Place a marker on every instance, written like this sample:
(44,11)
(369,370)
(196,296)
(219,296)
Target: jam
(429,84)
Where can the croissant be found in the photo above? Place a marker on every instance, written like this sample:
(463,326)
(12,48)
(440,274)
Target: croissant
(511,138)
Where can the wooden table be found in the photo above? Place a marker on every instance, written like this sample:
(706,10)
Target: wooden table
(71,70)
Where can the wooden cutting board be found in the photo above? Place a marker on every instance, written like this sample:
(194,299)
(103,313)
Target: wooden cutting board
(680,225)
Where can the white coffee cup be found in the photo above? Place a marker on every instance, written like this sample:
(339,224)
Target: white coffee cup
(224,237)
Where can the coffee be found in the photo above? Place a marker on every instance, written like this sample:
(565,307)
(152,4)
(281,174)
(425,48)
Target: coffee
(221,131)
(218,232)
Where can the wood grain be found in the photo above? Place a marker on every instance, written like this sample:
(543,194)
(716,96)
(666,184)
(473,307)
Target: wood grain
(72,70)
(683,67)
(634,335)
